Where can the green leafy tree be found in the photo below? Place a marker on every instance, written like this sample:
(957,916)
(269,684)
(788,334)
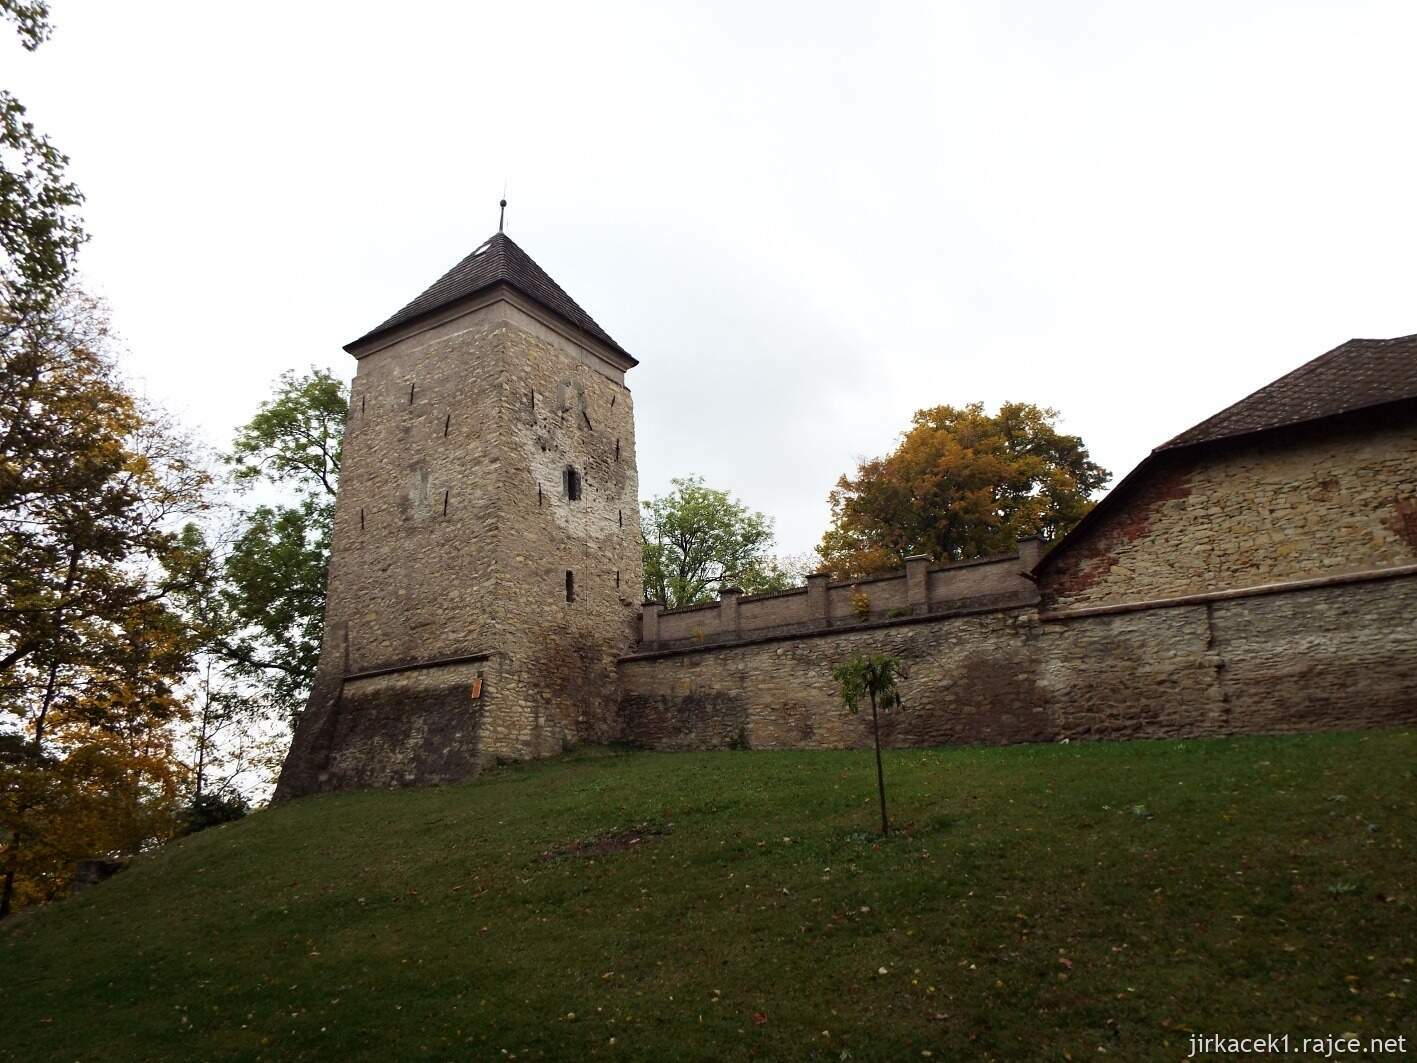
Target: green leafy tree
(295,436)
(40,230)
(273,593)
(270,614)
(698,540)
(234,730)
(874,678)
(962,484)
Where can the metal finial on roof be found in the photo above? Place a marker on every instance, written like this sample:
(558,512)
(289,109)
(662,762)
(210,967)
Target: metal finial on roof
(502,218)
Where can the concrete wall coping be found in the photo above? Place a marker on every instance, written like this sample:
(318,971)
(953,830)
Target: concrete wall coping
(996,559)
(944,566)
(765,595)
(690,608)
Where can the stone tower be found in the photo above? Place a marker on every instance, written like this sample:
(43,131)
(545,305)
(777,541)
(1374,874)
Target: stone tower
(485,566)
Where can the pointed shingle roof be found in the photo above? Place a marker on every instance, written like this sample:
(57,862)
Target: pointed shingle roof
(1353,376)
(497,261)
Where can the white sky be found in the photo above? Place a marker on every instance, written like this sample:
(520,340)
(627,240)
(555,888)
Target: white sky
(806,220)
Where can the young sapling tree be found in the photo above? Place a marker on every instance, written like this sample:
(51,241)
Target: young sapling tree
(874,678)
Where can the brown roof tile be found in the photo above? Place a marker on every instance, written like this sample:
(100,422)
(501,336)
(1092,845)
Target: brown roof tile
(1352,376)
(498,261)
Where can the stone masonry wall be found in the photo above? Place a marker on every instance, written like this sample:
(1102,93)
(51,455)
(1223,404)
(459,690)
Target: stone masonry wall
(407,727)
(411,565)
(557,658)
(452,538)
(996,581)
(1339,656)
(1324,500)
(1263,587)
(417,501)
(456,534)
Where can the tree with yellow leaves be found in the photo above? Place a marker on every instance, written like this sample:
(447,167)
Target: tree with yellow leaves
(962,484)
(92,564)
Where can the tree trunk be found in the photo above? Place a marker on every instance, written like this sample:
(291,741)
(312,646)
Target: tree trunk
(12,853)
(12,850)
(202,734)
(880,771)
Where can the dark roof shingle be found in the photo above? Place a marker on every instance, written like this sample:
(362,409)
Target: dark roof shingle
(1352,376)
(498,261)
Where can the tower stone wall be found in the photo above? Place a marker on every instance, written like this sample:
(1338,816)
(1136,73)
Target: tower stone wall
(485,563)
(561,413)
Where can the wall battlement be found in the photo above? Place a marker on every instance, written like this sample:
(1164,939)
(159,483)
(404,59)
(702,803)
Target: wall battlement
(920,589)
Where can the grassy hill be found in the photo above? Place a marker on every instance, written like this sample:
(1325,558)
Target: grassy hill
(1043,901)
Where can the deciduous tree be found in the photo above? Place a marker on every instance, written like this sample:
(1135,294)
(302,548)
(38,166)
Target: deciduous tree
(40,230)
(962,483)
(698,540)
(274,568)
(229,745)
(875,678)
(91,646)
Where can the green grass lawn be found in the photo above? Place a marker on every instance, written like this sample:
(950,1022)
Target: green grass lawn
(1037,902)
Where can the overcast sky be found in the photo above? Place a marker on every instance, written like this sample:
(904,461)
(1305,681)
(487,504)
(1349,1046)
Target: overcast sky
(806,220)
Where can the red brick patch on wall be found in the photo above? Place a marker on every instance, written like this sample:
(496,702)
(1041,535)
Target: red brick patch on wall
(1090,561)
(1404,521)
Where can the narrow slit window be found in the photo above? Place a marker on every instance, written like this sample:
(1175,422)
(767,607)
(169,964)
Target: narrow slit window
(617,578)
(617,450)
(620,516)
(410,393)
(363,405)
(445,501)
(447,424)
(361,518)
(538,495)
(573,483)
(570,586)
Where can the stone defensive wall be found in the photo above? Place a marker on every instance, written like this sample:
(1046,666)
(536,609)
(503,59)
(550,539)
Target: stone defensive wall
(1265,586)
(921,589)
(1333,652)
